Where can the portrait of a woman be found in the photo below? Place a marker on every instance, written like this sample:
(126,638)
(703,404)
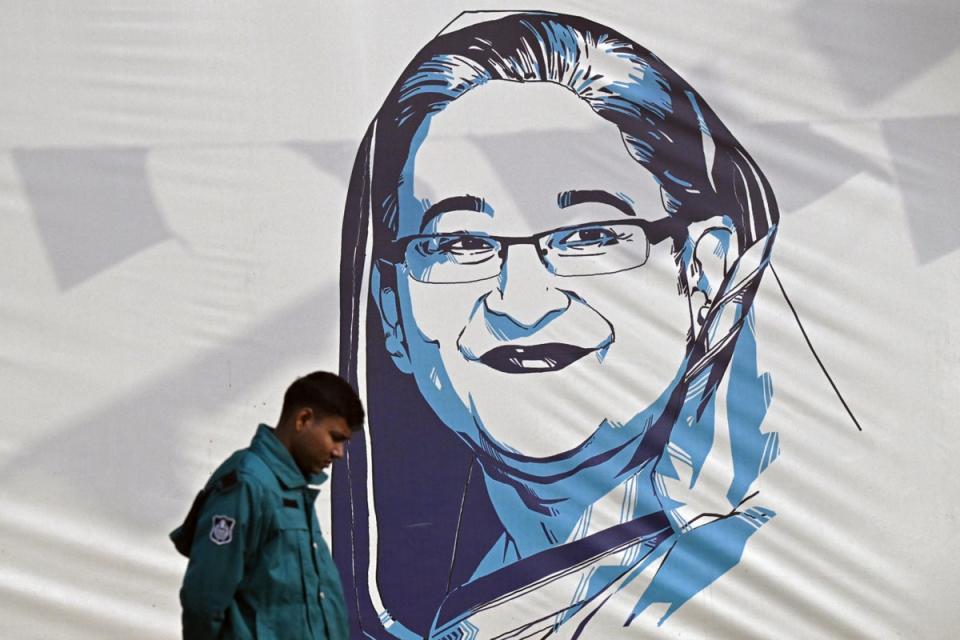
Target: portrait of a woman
(551,249)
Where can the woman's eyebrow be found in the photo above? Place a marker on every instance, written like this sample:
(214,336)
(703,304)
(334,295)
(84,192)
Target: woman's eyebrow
(569,198)
(455,203)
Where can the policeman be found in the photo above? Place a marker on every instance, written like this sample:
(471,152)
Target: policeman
(259,567)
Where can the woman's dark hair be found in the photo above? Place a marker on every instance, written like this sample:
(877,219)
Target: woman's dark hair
(665,125)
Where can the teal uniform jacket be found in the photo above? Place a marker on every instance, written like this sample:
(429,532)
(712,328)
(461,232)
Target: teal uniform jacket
(259,567)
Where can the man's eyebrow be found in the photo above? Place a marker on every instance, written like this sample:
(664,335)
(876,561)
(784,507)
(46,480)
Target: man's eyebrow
(569,198)
(455,203)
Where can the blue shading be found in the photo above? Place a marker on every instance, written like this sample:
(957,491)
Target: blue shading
(698,558)
(554,487)
(749,397)
(651,529)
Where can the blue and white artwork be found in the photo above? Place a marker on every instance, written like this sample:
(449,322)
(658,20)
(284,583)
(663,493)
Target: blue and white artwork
(551,250)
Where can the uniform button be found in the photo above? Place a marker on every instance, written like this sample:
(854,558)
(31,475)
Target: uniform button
(323,596)
(314,545)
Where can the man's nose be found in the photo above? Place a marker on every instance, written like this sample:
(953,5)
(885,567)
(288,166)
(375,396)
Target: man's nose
(525,290)
(337,451)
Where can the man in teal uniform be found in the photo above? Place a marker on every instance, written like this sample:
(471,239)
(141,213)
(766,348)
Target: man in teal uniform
(259,567)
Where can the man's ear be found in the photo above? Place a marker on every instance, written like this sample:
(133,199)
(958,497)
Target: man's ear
(383,292)
(302,418)
(708,263)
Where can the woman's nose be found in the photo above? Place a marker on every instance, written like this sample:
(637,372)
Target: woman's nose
(525,293)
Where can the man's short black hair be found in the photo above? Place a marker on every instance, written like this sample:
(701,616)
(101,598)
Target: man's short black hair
(327,394)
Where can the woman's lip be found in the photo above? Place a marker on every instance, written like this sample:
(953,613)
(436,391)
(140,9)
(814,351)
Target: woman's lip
(538,358)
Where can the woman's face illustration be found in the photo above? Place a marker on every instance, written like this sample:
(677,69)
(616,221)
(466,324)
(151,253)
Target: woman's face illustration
(536,342)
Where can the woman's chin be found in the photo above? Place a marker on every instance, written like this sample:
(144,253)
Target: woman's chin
(540,415)
(536,427)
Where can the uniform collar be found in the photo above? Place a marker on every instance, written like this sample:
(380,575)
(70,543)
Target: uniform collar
(266,445)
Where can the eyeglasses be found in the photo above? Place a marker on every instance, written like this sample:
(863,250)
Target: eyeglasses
(590,249)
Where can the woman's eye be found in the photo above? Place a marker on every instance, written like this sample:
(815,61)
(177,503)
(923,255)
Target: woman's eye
(463,244)
(590,237)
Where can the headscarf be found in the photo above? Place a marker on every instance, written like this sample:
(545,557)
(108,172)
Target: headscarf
(670,130)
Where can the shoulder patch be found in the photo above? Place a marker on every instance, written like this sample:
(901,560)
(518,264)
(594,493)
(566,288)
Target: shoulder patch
(222,530)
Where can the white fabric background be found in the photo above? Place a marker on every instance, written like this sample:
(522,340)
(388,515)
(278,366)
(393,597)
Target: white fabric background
(172,177)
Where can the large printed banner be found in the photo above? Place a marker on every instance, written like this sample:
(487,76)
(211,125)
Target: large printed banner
(651,307)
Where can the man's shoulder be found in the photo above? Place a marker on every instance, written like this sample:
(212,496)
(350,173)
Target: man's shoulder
(244,467)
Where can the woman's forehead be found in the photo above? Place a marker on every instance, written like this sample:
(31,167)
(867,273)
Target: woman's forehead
(503,107)
(520,148)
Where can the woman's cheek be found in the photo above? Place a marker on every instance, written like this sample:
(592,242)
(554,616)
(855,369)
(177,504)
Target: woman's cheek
(649,316)
(440,311)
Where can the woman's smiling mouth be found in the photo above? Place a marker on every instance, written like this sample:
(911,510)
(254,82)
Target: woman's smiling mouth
(536,358)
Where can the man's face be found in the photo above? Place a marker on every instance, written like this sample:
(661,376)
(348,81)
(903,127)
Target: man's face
(318,441)
(537,359)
